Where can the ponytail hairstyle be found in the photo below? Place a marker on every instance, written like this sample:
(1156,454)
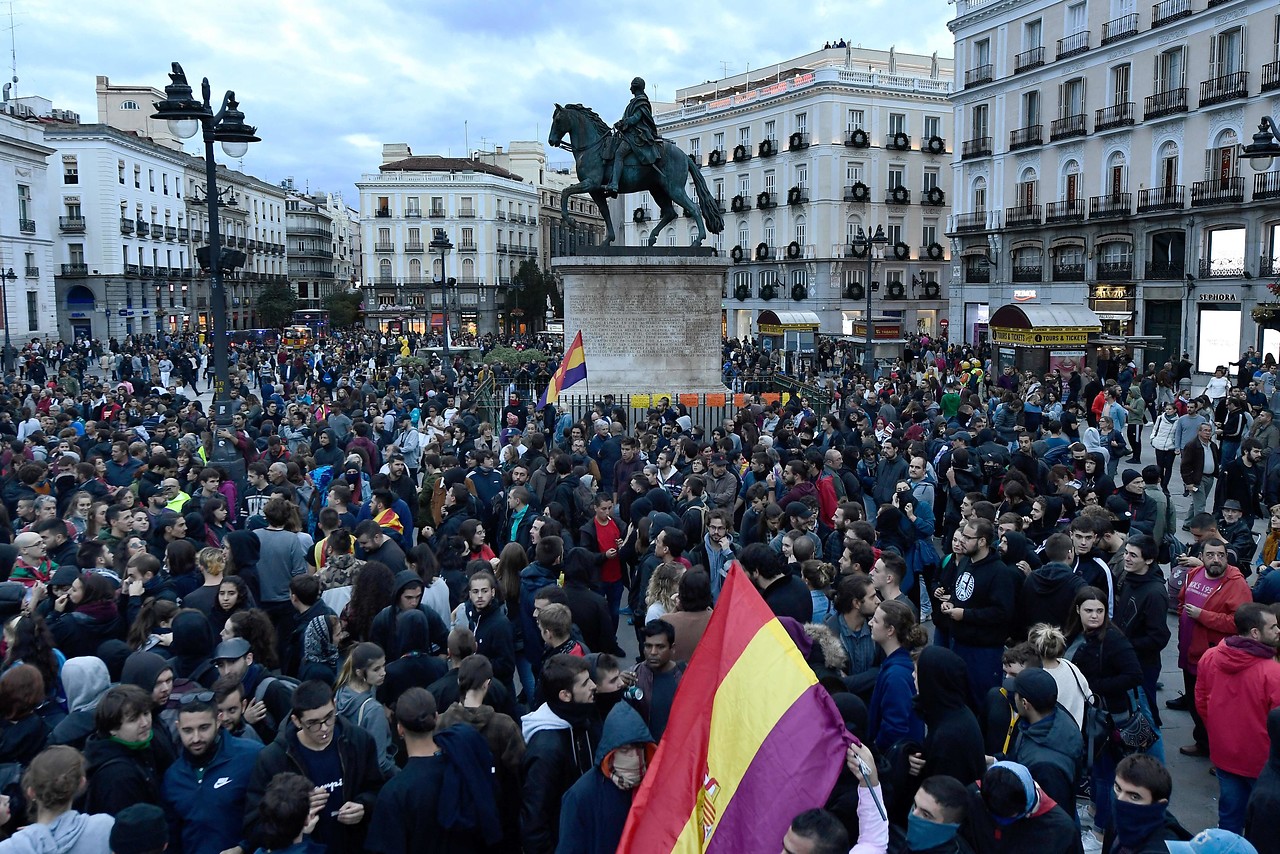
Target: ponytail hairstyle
(54,777)
(1048,641)
(153,614)
(358,662)
(899,617)
(818,574)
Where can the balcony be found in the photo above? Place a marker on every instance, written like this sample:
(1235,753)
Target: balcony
(144,228)
(1115,271)
(1028,273)
(975,221)
(437,213)
(501,214)
(1165,104)
(185,234)
(413,213)
(1068,272)
(1218,191)
(1119,28)
(27,226)
(170,232)
(1164,271)
(1221,268)
(977,274)
(383,213)
(767,199)
(971,148)
(857,138)
(413,248)
(767,147)
(467,213)
(1073,45)
(502,248)
(897,196)
(797,195)
(740,204)
(1022,216)
(126,225)
(1268,266)
(1028,60)
(897,141)
(933,196)
(1228,87)
(162,272)
(383,246)
(75,271)
(71,224)
(798,141)
(1171,198)
(1271,76)
(1115,116)
(33,272)
(1026,137)
(741,154)
(1266,185)
(466,246)
(1067,127)
(1070,210)
(715,158)
(1169,10)
(147,272)
(1112,206)
(978,76)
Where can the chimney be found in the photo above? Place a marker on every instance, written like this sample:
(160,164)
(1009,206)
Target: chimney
(393,151)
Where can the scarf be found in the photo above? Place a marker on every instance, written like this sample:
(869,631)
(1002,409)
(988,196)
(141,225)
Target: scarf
(627,769)
(923,835)
(1271,545)
(136,745)
(1135,823)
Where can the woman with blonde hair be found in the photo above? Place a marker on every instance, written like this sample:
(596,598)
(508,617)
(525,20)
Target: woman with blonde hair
(51,783)
(1073,688)
(662,596)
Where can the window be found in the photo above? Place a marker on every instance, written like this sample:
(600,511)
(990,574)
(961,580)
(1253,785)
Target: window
(24,202)
(856,120)
(415,236)
(718,189)
(802,176)
(129,105)
(33,311)
(744,185)
(1032,35)
(1168,162)
(802,122)
(413,206)
(853,172)
(1077,18)
(1120,89)
(1071,98)
(769,232)
(744,136)
(151,179)
(468,206)
(744,235)
(981,53)
(1222,161)
(1226,52)
(719,142)
(73,210)
(930,179)
(1030,108)
(75,253)
(769,129)
(929,232)
(1027,190)
(70,171)
(801,278)
(120,171)
(979,121)
(894,231)
(897,177)
(695,148)
(1117,174)
(802,232)
(1171,72)
(164,181)
(137,177)
(979,196)
(384,235)
(932,127)
(384,271)
(897,123)
(768,181)
(1070,180)
(742,279)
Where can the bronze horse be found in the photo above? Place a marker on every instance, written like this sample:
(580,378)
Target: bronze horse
(665,181)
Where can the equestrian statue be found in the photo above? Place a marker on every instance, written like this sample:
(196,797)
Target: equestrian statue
(631,158)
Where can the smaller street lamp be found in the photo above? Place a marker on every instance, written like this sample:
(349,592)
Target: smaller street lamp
(1265,146)
(869,241)
(7,276)
(441,243)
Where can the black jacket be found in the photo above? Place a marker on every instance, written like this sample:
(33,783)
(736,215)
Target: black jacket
(382,630)
(495,639)
(954,745)
(591,616)
(361,778)
(987,592)
(1111,667)
(789,597)
(557,754)
(77,633)
(1141,609)
(1047,594)
(1264,802)
(119,777)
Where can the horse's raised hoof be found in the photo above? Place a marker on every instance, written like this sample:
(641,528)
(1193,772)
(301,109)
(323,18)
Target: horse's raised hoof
(607,240)
(697,242)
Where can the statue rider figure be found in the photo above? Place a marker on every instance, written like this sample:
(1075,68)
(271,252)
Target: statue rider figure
(636,132)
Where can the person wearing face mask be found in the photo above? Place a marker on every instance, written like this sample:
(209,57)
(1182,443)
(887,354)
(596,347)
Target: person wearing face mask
(1140,798)
(938,810)
(1010,814)
(594,810)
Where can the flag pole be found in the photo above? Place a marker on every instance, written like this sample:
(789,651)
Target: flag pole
(586,379)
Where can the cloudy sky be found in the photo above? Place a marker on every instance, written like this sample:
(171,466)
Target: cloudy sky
(327,83)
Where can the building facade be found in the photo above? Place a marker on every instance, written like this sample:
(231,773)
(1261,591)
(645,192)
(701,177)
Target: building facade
(800,158)
(27,224)
(488,214)
(1100,167)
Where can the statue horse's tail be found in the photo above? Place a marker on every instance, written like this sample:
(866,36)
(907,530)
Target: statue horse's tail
(710,208)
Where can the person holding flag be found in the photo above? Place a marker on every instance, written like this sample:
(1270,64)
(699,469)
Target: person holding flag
(572,370)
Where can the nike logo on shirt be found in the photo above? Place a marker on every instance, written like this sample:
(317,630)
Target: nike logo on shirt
(221,781)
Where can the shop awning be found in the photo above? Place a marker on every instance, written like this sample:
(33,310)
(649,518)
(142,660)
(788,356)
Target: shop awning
(778,322)
(1043,325)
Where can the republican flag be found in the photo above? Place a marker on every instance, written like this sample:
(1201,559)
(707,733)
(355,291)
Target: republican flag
(753,740)
(573,369)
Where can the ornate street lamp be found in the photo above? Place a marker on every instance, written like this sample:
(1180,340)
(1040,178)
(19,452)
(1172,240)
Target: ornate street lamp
(868,242)
(1265,146)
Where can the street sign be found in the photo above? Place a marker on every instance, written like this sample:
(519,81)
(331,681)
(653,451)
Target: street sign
(944,323)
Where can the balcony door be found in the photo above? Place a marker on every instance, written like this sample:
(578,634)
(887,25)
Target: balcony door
(1226,52)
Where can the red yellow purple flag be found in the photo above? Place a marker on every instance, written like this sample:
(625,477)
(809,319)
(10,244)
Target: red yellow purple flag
(573,369)
(753,740)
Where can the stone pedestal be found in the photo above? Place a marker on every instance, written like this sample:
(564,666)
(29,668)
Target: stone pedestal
(650,318)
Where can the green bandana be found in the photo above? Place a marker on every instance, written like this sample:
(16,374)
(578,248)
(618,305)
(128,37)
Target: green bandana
(135,745)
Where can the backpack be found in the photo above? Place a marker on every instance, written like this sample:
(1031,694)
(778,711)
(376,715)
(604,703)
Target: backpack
(276,693)
(1171,548)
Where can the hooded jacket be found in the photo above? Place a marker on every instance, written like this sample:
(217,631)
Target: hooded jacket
(987,591)
(120,776)
(363,709)
(85,679)
(1264,803)
(892,716)
(502,734)
(1217,620)
(557,753)
(81,631)
(594,810)
(70,833)
(143,669)
(203,803)
(1052,749)
(416,666)
(954,745)
(1237,686)
(383,629)
(1047,594)
(1141,612)
(533,578)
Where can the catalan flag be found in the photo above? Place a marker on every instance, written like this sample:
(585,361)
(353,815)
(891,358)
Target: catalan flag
(753,740)
(573,369)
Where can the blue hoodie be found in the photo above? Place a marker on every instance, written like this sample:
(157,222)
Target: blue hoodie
(205,806)
(533,578)
(892,715)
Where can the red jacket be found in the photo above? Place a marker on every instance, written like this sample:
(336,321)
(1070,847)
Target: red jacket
(1218,619)
(1237,685)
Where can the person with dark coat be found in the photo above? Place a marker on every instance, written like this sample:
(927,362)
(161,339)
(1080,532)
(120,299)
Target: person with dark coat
(1047,593)
(85,680)
(982,612)
(86,617)
(1046,738)
(1141,611)
(190,651)
(407,596)
(545,570)
(1010,814)
(416,665)
(594,810)
(124,761)
(953,743)
(1143,822)
(487,619)
(1264,801)
(154,675)
(785,594)
(590,609)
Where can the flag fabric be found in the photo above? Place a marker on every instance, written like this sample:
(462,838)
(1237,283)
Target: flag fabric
(752,741)
(573,369)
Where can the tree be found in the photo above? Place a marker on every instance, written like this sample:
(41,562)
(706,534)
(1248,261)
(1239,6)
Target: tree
(532,287)
(276,304)
(344,309)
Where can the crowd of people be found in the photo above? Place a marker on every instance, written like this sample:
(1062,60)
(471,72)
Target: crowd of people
(368,613)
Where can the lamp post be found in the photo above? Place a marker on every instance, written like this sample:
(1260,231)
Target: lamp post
(440,243)
(7,276)
(868,241)
(1265,146)
(186,116)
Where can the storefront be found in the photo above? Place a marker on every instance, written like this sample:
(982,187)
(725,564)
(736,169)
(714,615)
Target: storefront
(887,339)
(1041,338)
(787,331)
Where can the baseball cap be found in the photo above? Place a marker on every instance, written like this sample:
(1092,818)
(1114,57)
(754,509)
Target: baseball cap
(1214,840)
(1231,504)
(1036,685)
(719,460)
(230,650)
(799,509)
(1120,509)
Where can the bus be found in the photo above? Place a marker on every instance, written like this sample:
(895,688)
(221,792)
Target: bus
(297,337)
(315,319)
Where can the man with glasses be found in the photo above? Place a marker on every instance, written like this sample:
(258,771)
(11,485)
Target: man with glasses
(338,758)
(209,817)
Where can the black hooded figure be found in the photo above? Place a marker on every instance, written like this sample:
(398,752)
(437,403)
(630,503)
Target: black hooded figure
(954,745)
(191,648)
(1264,803)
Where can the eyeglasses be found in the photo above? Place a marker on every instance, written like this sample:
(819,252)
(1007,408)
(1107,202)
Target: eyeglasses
(201,697)
(322,724)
